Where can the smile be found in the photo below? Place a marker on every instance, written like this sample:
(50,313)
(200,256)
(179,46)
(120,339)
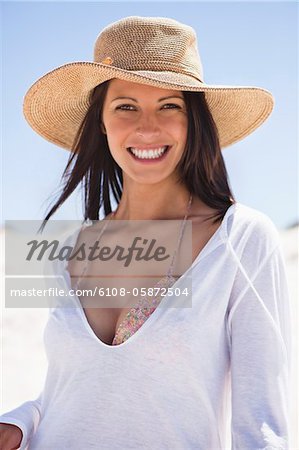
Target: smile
(150,153)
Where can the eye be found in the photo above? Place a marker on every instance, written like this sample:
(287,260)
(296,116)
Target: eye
(171,106)
(126,107)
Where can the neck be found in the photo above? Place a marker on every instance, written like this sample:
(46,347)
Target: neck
(153,204)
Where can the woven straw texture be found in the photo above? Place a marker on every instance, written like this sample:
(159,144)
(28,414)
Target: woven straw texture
(155,51)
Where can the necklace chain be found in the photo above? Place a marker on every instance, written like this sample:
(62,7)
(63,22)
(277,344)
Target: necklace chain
(171,268)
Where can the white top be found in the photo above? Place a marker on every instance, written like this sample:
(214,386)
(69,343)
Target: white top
(176,381)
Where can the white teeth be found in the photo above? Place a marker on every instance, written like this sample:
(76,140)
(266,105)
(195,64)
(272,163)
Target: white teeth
(149,153)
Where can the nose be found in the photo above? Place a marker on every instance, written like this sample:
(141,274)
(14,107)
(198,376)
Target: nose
(147,126)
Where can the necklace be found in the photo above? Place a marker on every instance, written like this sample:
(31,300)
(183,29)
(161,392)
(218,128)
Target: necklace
(146,305)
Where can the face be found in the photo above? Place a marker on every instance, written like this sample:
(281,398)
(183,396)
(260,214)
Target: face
(146,129)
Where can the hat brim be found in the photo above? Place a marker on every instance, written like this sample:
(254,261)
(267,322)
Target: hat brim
(56,104)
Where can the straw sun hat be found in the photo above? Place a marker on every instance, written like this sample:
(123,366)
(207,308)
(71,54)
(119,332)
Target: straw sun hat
(155,51)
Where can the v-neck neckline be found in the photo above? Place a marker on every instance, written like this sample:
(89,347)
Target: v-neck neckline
(220,233)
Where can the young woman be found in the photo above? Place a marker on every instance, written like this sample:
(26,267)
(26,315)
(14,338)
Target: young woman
(145,129)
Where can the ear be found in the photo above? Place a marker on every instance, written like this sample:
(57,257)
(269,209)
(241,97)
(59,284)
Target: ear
(103,129)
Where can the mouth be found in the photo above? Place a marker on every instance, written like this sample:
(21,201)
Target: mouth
(150,154)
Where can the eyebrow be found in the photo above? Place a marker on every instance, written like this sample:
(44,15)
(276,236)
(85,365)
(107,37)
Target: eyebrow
(160,99)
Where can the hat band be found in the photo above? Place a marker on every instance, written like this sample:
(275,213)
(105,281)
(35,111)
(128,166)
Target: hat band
(151,66)
(167,77)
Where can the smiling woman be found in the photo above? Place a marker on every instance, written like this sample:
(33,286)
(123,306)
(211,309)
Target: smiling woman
(145,130)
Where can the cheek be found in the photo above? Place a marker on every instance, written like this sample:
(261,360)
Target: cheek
(180,129)
(117,129)
(116,132)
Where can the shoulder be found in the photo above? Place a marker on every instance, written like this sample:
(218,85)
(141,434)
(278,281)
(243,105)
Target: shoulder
(247,227)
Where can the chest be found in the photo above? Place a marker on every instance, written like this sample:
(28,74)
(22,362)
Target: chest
(105,321)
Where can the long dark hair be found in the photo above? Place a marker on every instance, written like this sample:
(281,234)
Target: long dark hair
(201,169)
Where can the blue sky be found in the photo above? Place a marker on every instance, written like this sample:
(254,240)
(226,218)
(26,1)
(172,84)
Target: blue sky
(240,43)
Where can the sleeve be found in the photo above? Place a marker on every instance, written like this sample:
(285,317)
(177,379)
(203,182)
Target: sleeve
(259,333)
(26,417)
